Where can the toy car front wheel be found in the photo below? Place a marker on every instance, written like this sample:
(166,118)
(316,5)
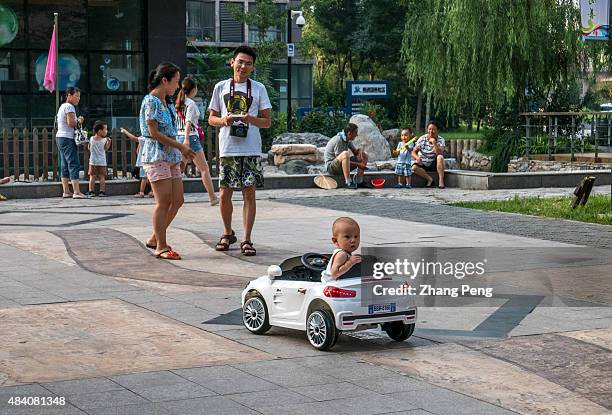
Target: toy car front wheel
(255,315)
(398,331)
(321,330)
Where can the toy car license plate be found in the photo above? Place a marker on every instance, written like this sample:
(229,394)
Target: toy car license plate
(381,308)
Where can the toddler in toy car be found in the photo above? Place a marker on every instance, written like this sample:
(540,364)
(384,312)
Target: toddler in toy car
(345,236)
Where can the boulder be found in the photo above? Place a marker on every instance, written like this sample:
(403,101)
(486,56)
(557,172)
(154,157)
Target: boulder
(385,164)
(293,149)
(316,139)
(451,164)
(393,137)
(295,167)
(317,169)
(272,171)
(280,159)
(370,139)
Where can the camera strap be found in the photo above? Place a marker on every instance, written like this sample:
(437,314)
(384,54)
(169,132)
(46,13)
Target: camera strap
(233,94)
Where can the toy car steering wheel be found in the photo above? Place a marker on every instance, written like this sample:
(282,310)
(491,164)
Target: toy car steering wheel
(315,262)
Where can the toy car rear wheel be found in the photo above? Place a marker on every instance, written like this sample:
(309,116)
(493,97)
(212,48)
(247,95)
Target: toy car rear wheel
(321,329)
(255,315)
(398,331)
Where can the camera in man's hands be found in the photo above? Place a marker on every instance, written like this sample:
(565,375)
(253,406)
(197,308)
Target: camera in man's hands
(238,128)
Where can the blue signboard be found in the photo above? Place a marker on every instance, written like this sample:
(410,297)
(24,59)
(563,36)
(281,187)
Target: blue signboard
(360,91)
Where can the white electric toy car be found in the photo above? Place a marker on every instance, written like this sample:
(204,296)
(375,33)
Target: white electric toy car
(293,296)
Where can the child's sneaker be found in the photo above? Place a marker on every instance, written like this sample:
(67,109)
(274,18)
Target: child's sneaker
(102,194)
(398,186)
(90,194)
(408,186)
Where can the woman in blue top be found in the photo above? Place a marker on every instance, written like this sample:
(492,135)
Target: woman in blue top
(162,154)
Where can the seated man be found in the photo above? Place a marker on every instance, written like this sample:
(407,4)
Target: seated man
(341,156)
(428,155)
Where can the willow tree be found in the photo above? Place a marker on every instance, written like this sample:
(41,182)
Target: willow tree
(490,53)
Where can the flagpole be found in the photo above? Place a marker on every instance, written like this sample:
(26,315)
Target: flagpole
(57,92)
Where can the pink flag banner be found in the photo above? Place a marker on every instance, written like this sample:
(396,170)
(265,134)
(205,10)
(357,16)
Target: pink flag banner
(49,82)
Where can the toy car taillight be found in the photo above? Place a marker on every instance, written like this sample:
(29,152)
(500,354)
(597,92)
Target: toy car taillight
(336,292)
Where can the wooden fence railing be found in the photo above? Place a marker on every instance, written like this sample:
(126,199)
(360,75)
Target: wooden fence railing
(456,147)
(32,155)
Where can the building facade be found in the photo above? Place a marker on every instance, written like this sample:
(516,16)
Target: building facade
(107,48)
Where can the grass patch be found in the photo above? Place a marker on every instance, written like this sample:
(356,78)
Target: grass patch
(597,210)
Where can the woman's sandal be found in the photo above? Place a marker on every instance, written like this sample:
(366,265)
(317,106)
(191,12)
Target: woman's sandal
(246,247)
(168,254)
(151,246)
(224,246)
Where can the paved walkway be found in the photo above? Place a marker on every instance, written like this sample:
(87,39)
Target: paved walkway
(90,317)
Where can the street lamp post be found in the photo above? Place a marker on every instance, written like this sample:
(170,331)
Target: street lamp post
(300,22)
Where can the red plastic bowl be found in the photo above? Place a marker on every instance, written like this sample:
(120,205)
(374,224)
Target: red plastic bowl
(378,183)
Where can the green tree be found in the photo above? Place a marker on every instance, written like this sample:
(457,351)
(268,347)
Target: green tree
(210,66)
(329,36)
(489,52)
(264,16)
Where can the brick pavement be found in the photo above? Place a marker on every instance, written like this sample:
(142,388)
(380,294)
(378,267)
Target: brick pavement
(571,232)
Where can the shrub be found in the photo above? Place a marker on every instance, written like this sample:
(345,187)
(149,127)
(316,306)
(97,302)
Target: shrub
(328,123)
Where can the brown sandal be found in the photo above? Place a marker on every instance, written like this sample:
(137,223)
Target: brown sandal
(246,247)
(224,246)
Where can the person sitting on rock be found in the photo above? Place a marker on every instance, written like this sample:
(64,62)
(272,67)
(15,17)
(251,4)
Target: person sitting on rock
(341,156)
(428,155)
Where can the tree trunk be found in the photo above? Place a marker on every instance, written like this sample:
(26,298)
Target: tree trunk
(428,109)
(478,125)
(419,108)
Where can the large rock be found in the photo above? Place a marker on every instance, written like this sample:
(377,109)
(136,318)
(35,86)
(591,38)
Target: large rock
(370,139)
(280,159)
(317,169)
(473,160)
(295,167)
(393,137)
(451,164)
(315,139)
(293,149)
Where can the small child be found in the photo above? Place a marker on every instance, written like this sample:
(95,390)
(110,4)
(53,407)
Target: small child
(345,236)
(403,168)
(98,145)
(144,181)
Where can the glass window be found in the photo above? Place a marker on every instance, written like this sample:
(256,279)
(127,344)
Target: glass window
(115,25)
(42,108)
(231,29)
(12,71)
(301,82)
(117,72)
(11,24)
(201,21)
(72,70)
(273,32)
(117,110)
(13,111)
(72,23)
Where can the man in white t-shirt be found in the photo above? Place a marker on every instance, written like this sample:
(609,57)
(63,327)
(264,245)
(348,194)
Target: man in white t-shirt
(240,107)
